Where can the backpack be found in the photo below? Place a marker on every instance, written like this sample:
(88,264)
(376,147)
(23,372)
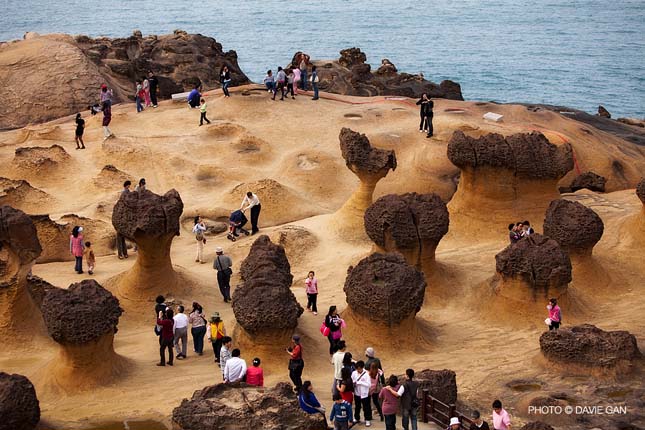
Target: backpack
(199,235)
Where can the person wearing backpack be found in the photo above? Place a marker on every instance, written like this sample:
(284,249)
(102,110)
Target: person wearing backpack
(198,230)
(215,333)
(410,401)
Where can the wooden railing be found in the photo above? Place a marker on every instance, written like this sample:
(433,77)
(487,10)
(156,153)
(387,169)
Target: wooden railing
(433,410)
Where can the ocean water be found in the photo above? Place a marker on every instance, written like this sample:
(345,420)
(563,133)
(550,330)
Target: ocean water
(578,53)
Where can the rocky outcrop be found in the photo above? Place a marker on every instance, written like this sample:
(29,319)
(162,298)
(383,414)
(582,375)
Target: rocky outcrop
(602,112)
(411,223)
(70,81)
(352,75)
(152,222)
(385,289)
(19,406)
(226,406)
(370,165)
(574,226)
(441,384)
(266,259)
(111,178)
(39,160)
(588,346)
(588,180)
(504,179)
(21,195)
(640,190)
(534,268)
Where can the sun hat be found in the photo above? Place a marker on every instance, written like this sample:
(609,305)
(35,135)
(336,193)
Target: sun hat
(215,315)
(454,420)
(369,352)
(219,250)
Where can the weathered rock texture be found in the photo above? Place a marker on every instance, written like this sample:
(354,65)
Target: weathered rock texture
(19,248)
(384,288)
(152,221)
(68,82)
(536,425)
(411,223)
(370,165)
(111,178)
(574,226)
(21,195)
(640,190)
(589,346)
(39,160)
(441,384)
(263,304)
(19,407)
(505,179)
(534,268)
(351,75)
(588,180)
(236,406)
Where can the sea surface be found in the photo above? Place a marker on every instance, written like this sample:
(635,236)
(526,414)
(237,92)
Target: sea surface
(573,53)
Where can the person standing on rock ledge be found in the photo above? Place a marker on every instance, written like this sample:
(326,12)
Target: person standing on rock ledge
(314,82)
(252,202)
(225,79)
(223,264)
(80,128)
(153,83)
(423,104)
(429,116)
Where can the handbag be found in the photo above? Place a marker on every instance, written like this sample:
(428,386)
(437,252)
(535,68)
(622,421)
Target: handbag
(548,321)
(296,364)
(324,330)
(228,270)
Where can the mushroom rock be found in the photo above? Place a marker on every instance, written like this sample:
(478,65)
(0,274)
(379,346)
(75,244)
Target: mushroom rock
(267,258)
(505,179)
(387,68)
(412,224)
(574,226)
(588,180)
(441,384)
(19,248)
(152,222)
(534,268)
(237,405)
(536,425)
(19,406)
(82,319)
(295,61)
(370,165)
(590,348)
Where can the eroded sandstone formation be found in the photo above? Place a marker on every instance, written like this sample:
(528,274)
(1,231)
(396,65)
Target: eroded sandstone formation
(384,288)
(229,406)
(266,259)
(21,195)
(411,223)
(441,384)
(352,75)
(574,226)
(586,180)
(152,222)
(19,406)
(40,160)
(534,268)
(505,179)
(591,347)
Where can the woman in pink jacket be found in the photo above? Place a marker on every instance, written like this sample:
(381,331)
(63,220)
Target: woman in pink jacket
(311,288)
(296,79)
(555,315)
(76,247)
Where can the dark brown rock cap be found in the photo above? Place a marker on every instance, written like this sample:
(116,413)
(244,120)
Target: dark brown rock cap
(147,213)
(441,384)
(385,288)
(361,157)
(82,313)
(539,260)
(17,231)
(640,190)
(573,225)
(588,180)
(266,258)
(590,346)
(528,155)
(408,218)
(19,406)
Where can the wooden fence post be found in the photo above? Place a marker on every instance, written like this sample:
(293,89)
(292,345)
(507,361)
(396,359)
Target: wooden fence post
(424,403)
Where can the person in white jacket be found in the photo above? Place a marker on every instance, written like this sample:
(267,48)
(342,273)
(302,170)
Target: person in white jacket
(235,368)
(362,383)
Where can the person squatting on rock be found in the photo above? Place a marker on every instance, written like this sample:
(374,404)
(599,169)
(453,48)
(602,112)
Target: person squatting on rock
(308,401)
(197,327)
(194,96)
(76,248)
(269,81)
(555,315)
(166,322)
(202,115)
(223,264)
(235,368)
(216,333)
(80,128)
(198,230)
(296,363)
(181,332)
(252,202)
(311,288)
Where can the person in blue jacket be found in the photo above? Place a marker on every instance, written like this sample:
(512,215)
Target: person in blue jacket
(341,413)
(194,97)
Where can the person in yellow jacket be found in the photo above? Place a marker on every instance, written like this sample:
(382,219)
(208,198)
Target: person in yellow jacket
(215,333)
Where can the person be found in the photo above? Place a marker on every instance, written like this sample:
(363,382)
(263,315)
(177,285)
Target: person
(291,83)
(409,401)
(311,288)
(454,424)
(269,81)
(314,82)
(194,96)
(154,88)
(527,229)
(361,381)
(423,103)
(308,401)
(202,110)
(337,362)
(160,304)
(146,92)
(376,377)
(501,419)
(235,368)
(225,353)
(198,230)
(252,202)
(297,75)
(107,118)
(389,401)
(477,422)
(89,257)
(139,96)
(303,72)
(370,354)
(121,247)
(346,386)
(513,235)
(255,374)
(80,128)
(105,96)
(181,332)
(555,314)
(333,322)
(225,79)
(341,413)
(348,361)
(216,333)
(281,79)
(166,322)
(428,119)
(296,363)
(197,327)
(76,248)
(141,186)
(223,264)
(236,222)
